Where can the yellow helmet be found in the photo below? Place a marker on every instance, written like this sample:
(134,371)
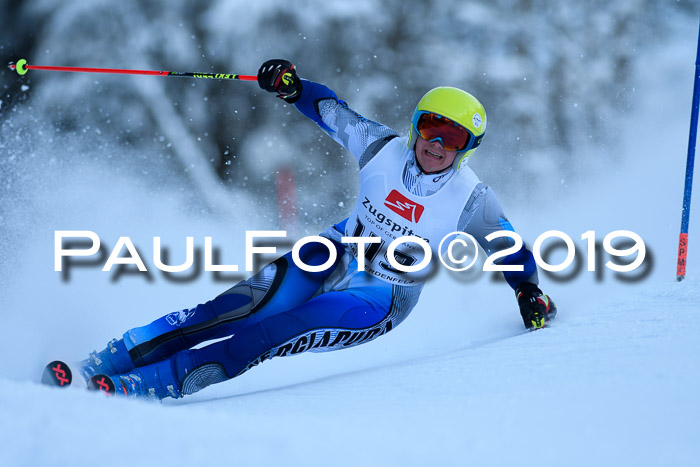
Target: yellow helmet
(458,106)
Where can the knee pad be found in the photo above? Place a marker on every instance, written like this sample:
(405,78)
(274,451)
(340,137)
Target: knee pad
(202,377)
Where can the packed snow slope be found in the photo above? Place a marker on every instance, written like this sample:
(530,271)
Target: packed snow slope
(614,381)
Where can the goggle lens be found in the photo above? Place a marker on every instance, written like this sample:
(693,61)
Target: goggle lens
(454,137)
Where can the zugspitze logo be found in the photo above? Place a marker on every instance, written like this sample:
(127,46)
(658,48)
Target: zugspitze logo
(404,207)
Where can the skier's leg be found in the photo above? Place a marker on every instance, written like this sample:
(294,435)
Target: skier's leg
(279,286)
(331,321)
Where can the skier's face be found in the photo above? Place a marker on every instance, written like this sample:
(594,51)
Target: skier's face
(432,157)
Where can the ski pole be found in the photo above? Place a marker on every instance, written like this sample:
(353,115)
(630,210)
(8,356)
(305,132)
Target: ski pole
(21,67)
(690,162)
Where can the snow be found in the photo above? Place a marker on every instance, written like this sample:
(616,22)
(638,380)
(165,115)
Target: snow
(614,381)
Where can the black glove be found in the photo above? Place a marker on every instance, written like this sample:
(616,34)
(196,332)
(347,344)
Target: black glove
(535,307)
(280,76)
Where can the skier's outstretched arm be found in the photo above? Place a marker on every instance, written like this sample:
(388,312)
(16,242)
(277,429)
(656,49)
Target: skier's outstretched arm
(484,215)
(359,135)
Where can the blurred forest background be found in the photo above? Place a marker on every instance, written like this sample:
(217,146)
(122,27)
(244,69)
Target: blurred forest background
(555,78)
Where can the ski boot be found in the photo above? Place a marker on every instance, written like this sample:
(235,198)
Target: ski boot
(536,308)
(154,382)
(113,360)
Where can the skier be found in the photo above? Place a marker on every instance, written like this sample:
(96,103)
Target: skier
(419,186)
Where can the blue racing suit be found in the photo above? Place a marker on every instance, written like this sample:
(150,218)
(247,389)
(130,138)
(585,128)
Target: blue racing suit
(283,310)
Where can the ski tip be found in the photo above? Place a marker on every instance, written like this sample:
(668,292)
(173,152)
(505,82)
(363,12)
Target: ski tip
(57,373)
(102,383)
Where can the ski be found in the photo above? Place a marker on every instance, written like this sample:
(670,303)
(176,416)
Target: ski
(103,384)
(59,374)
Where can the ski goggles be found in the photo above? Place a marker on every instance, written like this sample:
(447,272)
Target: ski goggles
(453,136)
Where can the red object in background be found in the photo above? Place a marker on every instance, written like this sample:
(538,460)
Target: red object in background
(286,189)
